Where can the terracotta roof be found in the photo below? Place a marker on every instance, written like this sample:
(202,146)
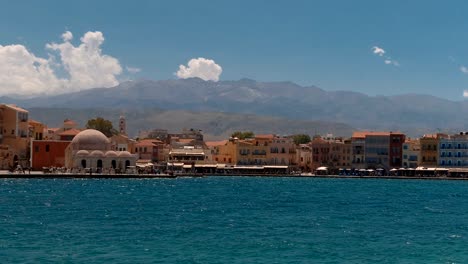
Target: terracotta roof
(69,132)
(145,143)
(152,141)
(16,108)
(31,121)
(363,134)
(186,140)
(53,129)
(216,143)
(267,136)
(69,122)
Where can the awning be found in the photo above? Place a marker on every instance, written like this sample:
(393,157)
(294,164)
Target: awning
(322,168)
(275,167)
(248,167)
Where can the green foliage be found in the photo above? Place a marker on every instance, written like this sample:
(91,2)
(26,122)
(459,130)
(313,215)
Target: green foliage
(103,125)
(243,135)
(301,139)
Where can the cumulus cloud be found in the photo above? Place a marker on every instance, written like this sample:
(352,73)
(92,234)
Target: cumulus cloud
(465,93)
(22,73)
(378,51)
(86,65)
(387,59)
(67,36)
(133,69)
(202,68)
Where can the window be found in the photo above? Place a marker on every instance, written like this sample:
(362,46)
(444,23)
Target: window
(47,148)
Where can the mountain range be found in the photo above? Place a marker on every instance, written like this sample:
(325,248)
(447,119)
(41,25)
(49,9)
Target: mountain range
(228,105)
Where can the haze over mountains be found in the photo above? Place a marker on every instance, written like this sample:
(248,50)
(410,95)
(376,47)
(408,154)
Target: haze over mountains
(279,107)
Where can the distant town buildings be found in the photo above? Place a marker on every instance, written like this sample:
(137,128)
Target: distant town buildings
(30,143)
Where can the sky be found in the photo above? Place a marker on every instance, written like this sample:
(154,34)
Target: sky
(372,47)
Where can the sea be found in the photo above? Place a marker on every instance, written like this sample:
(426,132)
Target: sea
(233,220)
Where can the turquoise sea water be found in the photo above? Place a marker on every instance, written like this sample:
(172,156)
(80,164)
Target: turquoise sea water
(233,220)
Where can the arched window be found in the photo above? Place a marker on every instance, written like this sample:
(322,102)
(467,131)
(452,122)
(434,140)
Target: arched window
(99,164)
(114,164)
(83,163)
(127,163)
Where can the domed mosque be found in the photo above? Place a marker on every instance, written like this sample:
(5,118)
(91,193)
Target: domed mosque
(92,149)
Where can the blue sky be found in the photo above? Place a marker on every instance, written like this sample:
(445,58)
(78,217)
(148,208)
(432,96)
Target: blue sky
(324,43)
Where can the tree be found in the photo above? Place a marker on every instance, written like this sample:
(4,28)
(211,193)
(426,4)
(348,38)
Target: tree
(301,139)
(103,125)
(243,135)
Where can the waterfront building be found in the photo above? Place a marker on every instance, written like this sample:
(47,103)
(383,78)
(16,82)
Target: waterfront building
(48,153)
(152,150)
(358,144)
(430,149)
(36,130)
(57,133)
(121,142)
(282,150)
(14,136)
(379,149)
(320,153)
(214,148)
(188,155)
(304,157)
(346,156)
(411,153)
(91,149)
(453,151)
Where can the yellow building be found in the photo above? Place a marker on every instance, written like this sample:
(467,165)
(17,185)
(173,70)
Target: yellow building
(14,136)
(429,149)
(36,130)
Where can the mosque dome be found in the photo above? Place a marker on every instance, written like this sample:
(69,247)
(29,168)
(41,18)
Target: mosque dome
(125,154)
(97,154)
(111,154)
(82,153)
(90,139)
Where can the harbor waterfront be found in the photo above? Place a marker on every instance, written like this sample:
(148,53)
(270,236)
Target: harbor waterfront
(233,220)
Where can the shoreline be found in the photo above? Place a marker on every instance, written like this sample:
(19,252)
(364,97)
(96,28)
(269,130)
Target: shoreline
(40,175)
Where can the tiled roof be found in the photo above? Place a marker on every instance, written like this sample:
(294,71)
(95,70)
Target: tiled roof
(266,136)
(16,108)
(216,143)
(363,134)
(69,132)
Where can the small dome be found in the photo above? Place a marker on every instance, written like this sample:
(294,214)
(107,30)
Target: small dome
(90,139)
(125,154)
(97,154)
(111,154)
(82,153)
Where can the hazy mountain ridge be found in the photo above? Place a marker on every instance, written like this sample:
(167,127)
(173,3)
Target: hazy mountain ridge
(410,113)
(215,125)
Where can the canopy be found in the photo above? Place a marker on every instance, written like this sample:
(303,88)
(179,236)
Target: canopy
(322,168)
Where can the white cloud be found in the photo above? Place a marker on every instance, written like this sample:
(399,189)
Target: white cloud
(86,65)
(465,93)
(202,68)
(464,69)
(67,36)
(133,69)
(378,51)
(391,62)
(22,73)
(387,59)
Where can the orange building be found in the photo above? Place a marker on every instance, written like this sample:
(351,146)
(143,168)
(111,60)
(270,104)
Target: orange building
(48,153)
(14,136)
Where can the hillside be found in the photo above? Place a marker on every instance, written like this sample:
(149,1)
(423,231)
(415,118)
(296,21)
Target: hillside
(412,114)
